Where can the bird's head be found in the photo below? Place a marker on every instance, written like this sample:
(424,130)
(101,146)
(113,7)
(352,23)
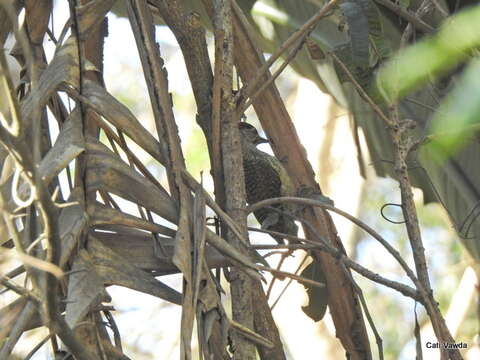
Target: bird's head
(250,134)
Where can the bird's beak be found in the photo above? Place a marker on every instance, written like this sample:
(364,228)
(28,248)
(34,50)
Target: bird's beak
(260,140)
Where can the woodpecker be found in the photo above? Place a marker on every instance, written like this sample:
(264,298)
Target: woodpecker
(265,178)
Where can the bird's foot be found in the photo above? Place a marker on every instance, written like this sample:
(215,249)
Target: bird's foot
(309,192)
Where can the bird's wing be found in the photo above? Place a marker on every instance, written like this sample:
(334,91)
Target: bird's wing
(262,181)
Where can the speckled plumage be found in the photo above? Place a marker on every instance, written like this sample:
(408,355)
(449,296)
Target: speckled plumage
(265,178)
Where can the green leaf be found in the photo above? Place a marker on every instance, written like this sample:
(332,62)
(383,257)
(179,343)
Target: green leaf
(317,296)
(459,111)
(432,57)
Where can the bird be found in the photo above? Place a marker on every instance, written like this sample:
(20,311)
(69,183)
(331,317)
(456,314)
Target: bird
(265,178)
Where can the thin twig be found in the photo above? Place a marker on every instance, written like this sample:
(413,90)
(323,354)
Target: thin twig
(19,289)
(353,219)
(440,8)
(407,15)
(346,261)
(285,246)
(298,278)
(418,337)
(247,101)
(423,10)
(232,225)
(20,325)
(279,266)
(15,126)
(251,335)
(419,103)
(363,302)
(403,146)
(361,91)
(289,282)
(34,262)
(37,347)
(299,35)
(15,272)
(116,333)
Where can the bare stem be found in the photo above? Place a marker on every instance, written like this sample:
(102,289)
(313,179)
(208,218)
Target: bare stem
(297,36)
(232,161)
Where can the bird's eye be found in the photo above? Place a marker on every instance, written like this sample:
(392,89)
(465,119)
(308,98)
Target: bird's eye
(244,125)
